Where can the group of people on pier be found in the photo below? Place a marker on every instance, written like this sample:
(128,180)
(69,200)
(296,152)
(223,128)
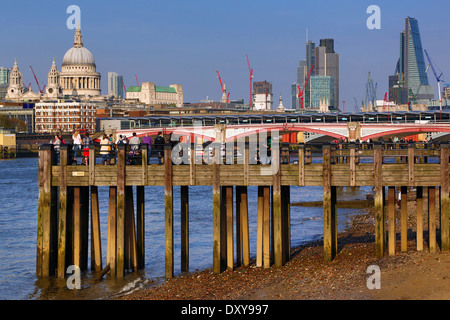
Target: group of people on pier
(108,147)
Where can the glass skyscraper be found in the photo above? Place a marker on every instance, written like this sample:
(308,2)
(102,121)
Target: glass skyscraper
(4,75)
(115,85)
(411,65)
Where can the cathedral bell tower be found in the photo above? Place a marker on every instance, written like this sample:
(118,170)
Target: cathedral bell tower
(15,88)
(53,85)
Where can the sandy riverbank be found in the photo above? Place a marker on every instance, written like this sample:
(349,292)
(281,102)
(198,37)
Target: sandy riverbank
(412,275)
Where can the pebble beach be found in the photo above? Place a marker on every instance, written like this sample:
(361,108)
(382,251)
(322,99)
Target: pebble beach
(410,275)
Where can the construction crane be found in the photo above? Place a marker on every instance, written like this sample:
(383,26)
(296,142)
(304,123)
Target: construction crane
(37,82)
(124,88)
(438,79)
(225,97)
(137,81)
(250,70)
(301,91)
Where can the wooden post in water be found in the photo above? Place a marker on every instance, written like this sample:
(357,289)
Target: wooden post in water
(120,221)
(229,219)
(184,199)
(329,208)
(46,199)
(217,214)
(277,212)
(168,204)
(130,231)
(266,227)
(380,225)
(63,221)
(96,253)
(112,234)
(140,225)
(444,198)
(259,227)
(392,240)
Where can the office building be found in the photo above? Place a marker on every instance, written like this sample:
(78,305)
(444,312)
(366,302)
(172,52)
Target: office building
(327,64)
(262,95)
(322,89)
(4,75)
(411,65)
(150,94)
(115,85)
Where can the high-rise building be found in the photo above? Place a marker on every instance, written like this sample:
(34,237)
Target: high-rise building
(411,64)
(115,85)
(322,89)
(327,64)
(4,75)
(262,95)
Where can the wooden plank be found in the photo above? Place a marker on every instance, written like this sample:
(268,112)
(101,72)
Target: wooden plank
(92,165)
(168,204)
(144,164)
(192,166)
(352,165)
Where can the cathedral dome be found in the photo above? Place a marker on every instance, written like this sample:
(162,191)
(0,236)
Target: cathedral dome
(78,56)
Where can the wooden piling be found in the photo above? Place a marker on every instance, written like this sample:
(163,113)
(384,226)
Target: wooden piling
(184,199)
(392,240)
(259,227)
(112,234)
(62,216)
(229,221)
(444,199)
(140,225)
(301,164)
(380,227)
(96,253)
(168,204)
(120,221)
(276,205)
(404,219)
(419,217)
(43,254)
(217,210)
(329,208)
(432,219)
(266,227)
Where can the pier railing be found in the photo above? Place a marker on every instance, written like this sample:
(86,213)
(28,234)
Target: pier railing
(68,195)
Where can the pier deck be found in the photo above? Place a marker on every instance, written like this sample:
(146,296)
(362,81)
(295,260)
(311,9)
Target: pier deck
(68,201)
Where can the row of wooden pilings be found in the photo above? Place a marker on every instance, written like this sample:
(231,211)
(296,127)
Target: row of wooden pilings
(63,215)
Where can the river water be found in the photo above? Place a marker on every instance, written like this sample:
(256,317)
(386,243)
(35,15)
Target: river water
(18,226)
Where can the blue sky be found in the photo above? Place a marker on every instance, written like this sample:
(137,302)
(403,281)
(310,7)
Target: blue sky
(187,41)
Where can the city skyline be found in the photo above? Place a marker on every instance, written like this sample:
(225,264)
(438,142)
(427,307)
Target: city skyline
(187,43)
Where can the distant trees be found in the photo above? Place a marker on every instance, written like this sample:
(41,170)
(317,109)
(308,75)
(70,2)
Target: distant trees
(12,123)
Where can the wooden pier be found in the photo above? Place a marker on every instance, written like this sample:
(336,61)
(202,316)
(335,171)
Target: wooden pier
(68,202)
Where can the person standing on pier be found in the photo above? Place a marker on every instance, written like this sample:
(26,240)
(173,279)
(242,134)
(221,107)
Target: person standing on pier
(86,142)
(105,148)
(76,138)
(159,146)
